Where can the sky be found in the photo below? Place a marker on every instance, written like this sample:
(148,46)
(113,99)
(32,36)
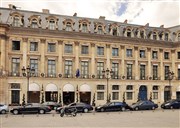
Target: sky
(141,12)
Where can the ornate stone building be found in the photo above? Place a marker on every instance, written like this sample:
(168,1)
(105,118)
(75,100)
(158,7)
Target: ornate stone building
(59,58)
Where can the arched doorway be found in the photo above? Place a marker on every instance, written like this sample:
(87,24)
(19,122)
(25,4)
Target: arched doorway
(51,93)
(34,93)
(143,92)
(85,93)
(167,93)
(178,93)
(68,94)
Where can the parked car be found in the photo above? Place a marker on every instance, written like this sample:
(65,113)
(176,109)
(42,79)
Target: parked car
(52,105)
(174,103)
(112,106)
(31,108)
(81,107)
(144,105)
(3,108)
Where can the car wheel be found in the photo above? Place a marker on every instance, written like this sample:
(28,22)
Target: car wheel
(102,109)
(85,110)
(123,109)
(3,111)
(15,112)
(41,111)
(136,108)
(171,107)
(153,108)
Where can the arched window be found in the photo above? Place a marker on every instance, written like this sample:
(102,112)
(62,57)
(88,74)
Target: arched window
(129,92)
(128,32)
(34,23)
(52,24)
(166,38)
(154,36)
(142,34)
(68,26)
(16,21)
(100,31)
(84,27)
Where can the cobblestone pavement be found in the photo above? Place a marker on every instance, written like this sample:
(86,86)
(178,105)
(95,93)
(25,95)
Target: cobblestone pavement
(128,119)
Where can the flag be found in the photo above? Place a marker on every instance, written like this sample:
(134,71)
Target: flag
(77,73)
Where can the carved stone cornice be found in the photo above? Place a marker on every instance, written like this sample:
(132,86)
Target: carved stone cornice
(76,43)
(135,47)
(92,44)
(3,37)
(108,45)
(60,42)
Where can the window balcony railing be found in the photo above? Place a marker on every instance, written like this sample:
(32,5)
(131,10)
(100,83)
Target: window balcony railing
(68,75)
(14,74)
(156,78)
(85,76)
(115,77)
(130,78)
(51,75)
(143,78)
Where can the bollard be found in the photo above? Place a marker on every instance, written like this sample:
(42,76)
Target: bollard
(6,116)
(22,115)
(53,115)
(37,115)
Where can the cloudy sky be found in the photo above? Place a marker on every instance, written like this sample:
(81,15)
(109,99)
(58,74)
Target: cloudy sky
(154,12)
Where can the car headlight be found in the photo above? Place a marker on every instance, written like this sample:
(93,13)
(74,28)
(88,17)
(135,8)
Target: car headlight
(167,104)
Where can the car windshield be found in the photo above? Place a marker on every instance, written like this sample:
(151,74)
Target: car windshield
(139,102)
(169,101)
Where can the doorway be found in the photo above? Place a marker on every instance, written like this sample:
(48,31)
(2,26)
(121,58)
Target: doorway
(68,97)
(143,92)
(85,97)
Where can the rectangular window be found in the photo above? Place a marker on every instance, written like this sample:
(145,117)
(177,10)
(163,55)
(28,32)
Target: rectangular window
(100,95)
(68,26)
(84,49)
(115,52)
(128,52)
(154,54)
(68,48)
(15,66)
(15,45)
(115,87)
(142,72)
(84,69)
(178,55)
(16,22)
(115,68)
(84,27)
(51,68)
(100,51)
(68,68)
(166,55)
(166,70)
(34,65)
(155,72)
(100,67)
(155,95)
(129,95)
(15,97)
(33,46)
(129,71)
(115,95)
(142,54)
(51,47)
(178,74)
(100,31)
(100,87)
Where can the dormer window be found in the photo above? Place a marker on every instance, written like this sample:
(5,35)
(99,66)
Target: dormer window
(34,23)
(68,26)
(84,27)
(52,24)
(142,34)
(154,36)
(100,31)
(166,37)
(128,33)
(179,37)
(16,21)
(114,32)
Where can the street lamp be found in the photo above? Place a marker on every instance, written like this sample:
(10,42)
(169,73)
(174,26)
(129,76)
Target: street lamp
(28,72)
(170,75)
(107,74)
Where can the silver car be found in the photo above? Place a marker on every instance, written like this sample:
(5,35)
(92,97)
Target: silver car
(3,108)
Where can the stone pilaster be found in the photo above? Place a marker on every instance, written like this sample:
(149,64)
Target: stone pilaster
(42,50)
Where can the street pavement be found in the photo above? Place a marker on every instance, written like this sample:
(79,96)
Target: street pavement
(129,119)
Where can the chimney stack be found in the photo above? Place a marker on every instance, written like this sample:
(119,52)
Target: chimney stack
(45,11)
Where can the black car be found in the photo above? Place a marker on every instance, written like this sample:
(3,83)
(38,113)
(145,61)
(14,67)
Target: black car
(112,106)
(52,105)
(81,107)
(144,105)
(31,108)
(174,103)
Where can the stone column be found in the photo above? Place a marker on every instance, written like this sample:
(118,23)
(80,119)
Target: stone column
(149,62)
(108,56)
(123,60)
(93,53)
(161,64)
(76,55)
(136,70)
(3,51)
(42,49)
(60,61)
(24,51)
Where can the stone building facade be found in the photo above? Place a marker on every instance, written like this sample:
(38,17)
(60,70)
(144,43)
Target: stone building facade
(66,59)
